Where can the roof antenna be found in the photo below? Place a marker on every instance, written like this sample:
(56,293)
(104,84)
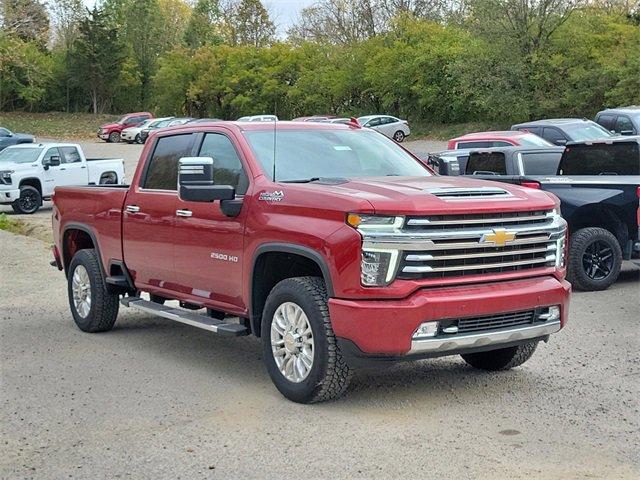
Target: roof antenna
(274,148)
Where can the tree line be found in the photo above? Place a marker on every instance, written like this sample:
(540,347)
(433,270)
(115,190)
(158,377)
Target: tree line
(440,61)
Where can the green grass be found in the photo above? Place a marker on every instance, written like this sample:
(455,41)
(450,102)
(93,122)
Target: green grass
(436,131)
(55,125)
(13,226)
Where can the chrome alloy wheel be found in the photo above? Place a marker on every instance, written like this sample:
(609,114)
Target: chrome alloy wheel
(292,342)
(81,287)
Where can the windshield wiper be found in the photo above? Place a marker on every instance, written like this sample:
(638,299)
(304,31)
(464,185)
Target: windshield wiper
(304,180)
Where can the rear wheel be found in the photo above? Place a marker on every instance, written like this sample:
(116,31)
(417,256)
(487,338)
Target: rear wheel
(502,359)
(93,307)
(595,259)
(299,346)
(398,136)
(29,201)
(114,137)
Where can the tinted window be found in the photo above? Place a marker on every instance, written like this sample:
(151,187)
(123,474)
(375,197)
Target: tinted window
(534,130)
(553,135)
(486,163)
(500,143)
(540,163)
(623,124)
(162,172)
(476,144)
(606,121)
(70,155)
(227,168)
(621,158)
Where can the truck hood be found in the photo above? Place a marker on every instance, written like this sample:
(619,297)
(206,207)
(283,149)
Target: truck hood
(110,125)
(17,166)
(439,194)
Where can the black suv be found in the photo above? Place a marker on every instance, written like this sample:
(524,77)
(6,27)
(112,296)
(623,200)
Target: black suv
(560,131)
(623,120)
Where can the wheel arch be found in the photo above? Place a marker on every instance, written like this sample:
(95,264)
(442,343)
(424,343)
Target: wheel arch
(604,216)
(76,237)
(274,262)
(32,182)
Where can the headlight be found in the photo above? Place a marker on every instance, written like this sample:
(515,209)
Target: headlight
(6,175)
(378,266)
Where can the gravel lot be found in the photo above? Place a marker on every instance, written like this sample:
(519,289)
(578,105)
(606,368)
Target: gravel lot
(156,399)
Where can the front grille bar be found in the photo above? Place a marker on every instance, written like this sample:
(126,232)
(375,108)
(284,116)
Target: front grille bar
(479,266)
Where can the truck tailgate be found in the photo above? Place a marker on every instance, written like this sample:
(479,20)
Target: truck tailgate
(96,210)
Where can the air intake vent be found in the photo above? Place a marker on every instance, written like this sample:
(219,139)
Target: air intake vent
(457,192)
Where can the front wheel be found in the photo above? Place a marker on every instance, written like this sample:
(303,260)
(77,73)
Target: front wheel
(299,346)
(501,359)
(29,201)
(138,139)
(398,136)
(595,259)
(114,137)
(93,307)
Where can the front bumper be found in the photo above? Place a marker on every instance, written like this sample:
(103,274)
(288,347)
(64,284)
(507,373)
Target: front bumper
(10,195)
(386,327)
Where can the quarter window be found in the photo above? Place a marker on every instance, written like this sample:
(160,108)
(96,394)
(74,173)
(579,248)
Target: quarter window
(162,172)
(227,168)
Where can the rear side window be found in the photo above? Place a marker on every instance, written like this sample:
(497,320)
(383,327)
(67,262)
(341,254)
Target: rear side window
(621,158)
(476,144)
(70,155)
(553,135)
(541,163)
(227,168)
(486,164)
(162,171)
(607,121)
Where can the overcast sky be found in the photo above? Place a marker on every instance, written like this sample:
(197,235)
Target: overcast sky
(283,12)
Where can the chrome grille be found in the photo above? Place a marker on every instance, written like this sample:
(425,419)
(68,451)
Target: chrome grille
(443,246)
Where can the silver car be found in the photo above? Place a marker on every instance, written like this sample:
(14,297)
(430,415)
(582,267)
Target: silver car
(390,126)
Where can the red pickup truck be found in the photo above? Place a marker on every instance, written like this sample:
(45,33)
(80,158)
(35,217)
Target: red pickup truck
(343,250)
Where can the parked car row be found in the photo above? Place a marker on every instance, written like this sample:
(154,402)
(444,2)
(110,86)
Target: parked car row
(7,138)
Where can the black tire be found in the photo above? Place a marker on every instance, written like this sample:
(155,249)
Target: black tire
(593,246)
(329,375)
(114,137)
(29,202)
(104,305)
(502,359)
(138,139)
(398,136)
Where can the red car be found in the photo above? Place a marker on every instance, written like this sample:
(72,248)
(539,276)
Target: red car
(110,132)
(497,139)
(358,254)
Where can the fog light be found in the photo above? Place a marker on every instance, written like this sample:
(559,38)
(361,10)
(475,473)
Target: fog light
(553,313)
(425,330)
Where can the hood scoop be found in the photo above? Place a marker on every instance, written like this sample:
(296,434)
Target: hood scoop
(454,193)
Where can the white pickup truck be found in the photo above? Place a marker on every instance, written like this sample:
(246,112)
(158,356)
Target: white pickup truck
(30,172)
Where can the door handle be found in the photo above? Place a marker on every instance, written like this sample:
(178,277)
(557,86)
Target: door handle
(132,208)
(184,213)
(62,168)
(83,166)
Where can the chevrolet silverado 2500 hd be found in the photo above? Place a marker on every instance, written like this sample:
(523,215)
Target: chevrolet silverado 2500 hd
(328,241)
(30,172)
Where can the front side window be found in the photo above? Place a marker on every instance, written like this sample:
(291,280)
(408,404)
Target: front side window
(70,155)
(607,121)
(52,152)
(540,163)
(307,154)
(162,171)
(623,124)
(227,168)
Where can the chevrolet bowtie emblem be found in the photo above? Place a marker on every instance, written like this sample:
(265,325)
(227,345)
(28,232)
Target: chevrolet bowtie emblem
(499,237)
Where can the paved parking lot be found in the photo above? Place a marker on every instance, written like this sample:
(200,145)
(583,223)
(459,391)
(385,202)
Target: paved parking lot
(156,399)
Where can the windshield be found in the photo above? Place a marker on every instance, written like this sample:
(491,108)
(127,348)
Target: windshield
(533,140)
(309,154)
(19,155)
(580,132)
(121,120)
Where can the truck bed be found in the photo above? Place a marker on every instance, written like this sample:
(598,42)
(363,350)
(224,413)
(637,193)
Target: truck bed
(96,210)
